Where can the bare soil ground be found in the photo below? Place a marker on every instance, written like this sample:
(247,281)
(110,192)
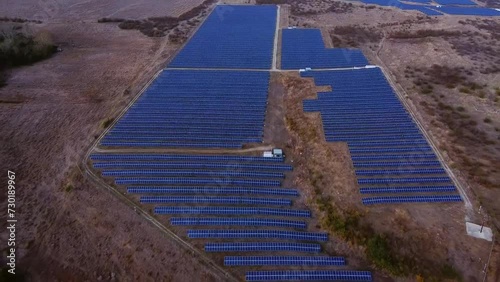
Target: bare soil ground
(68,230)
(461,117)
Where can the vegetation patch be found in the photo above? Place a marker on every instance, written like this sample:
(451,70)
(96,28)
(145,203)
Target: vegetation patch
(354,35)
(18,20)
(162,26)
(301,8)
(423,33)
(18,49)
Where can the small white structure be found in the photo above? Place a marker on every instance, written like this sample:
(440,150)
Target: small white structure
(278,153)
(370,66)
(474,230)
(268,154)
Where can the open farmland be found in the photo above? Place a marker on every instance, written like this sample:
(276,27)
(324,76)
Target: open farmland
(174,186)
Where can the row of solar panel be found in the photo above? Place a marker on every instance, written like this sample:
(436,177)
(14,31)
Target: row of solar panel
(214,200)
(199,165)
(418,150)
(411,199)
(148,132)
(191,173)
(417,189)
(163,157)
(393,157)
(187,121)
(172,144)
(195,181)
(232,211)
(378,137)
(263,247)
(211,190)
(403,180)
(306,275)
(400,172)
(170,139)
(283,260)
(398,164)
(248,234)
(229,221)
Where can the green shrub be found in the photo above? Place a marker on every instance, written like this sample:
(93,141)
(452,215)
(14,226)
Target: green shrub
(17,49)
(465,90)
(107,122)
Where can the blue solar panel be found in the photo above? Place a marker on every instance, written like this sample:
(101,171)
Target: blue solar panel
(263,247)
(192,173)
(403,180)
(247,234)
(411,199)
(283,260)
(229,221)
(308,275)
(232,37)
(164,157)
(196,108)
(192,165)
(468,11)
(400,172)
(455,2)
(210,190)
(386,146)
(214,200)
(194,181)
(407,189)
(232,211)
(303,48)
(403,6)
(364,164)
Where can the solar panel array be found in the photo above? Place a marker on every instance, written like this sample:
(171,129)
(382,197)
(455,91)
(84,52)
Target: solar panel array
(455,2)
(201,109)
(263,247)
(240,199)
(226,221)
(232,37)
(249,234)
(426,9)
(302,48)
(467,8)
(283,260)
(185,108)
(469,11)
(305,275)
(389,153)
